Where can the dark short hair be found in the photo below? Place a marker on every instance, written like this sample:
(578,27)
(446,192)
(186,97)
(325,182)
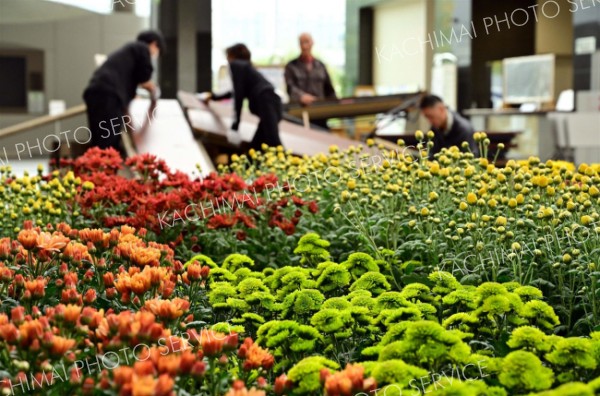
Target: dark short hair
(150,36)
(429,101)
(239,52)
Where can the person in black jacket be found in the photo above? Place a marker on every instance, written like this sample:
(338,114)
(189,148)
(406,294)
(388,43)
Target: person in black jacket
(262,99)
(113,86)
(449,127)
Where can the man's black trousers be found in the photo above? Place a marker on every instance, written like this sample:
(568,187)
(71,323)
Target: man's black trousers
(269,109)
(105,118)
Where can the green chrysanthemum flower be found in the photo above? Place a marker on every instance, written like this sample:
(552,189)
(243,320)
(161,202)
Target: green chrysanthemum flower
(235,261)
(444,282)
(330,320)
(417,291)
(523,372)
(528,293)
(570,389)
(220,292)
(573,352)
(496,305)
(337,303)
(364,301)
(244,273)
(302,303)
(359,263)
(396,372)
(389,317)
(461,320)
(293,281)
(539,314)
(221,275)
(333,278)
(251,285)
(312,249)
(202,260)
(306,374)
(374,282)
(463,297)
(488,289)
(237,304)
(528,338)
(391,300)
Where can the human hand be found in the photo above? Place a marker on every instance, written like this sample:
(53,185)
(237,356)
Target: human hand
(307,99)
(205,97)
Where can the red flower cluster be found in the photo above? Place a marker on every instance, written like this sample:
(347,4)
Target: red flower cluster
(158,191)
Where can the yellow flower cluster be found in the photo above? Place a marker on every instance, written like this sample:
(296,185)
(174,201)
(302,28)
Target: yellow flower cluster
(33,198)
(398,183)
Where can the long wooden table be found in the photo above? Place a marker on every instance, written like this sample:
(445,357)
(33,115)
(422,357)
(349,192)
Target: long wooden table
(349,107)
(169,137)
(211,122)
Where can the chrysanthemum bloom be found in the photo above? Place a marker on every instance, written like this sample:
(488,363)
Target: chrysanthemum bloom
(71,313)
(5,247)
(254,356)
(96,236)
(140,283)
(36,287)
(348,382)
(239,389)
(77,252)
(61,345)
(28,238)
(8,332)
(198,369)
(168,309)
(90,296)
(51,242)
(212,342)
(143,256)
(143,386)
(282,384)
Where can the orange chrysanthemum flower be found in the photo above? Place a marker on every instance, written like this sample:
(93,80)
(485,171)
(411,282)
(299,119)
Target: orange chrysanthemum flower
(168,309)
(77,251)
(96,236)
(51,242)
(143,256)
(28,238)
(36,287)
(61,345)
(71,313)
(255,356)
(348,382)
(143,386)
(212,342)
(239,389)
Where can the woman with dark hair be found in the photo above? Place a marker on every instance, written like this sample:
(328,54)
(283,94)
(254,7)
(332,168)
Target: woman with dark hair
(263,102)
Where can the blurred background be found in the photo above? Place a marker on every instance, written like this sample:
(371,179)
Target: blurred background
(510,65)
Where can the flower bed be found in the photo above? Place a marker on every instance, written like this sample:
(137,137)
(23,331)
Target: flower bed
(353,273)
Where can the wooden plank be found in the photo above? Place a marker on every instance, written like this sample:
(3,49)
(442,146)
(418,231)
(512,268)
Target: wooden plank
(294,137)
(349,107)
(212,121)
(169,137)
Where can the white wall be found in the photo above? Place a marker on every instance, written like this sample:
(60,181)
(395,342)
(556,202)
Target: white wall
(69,47)
(402,59)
